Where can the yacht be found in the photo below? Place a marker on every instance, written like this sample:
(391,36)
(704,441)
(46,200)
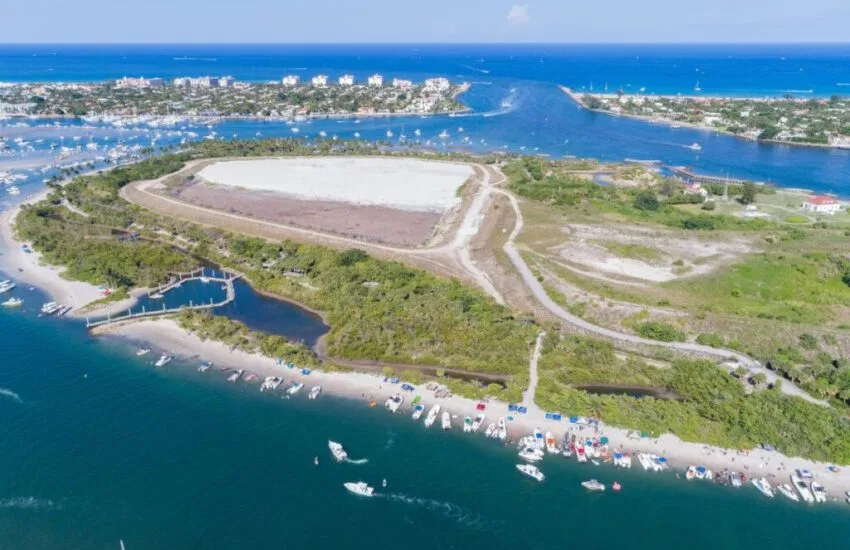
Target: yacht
(818,491)
(502,429)
(6,286)
(763,486)
(531,471)
(788,492)
(360,488)
(163,360)
(337,451)
(271,383)
(531,454)
(446,420)
(432,416)
(467,424)
(295,388)
(551,446)
(592,485)
(142,351)
(205,366)
(801,487)
(393,403)
(13,302)
(479,420)
(491,430)
(314,392)
(418,410)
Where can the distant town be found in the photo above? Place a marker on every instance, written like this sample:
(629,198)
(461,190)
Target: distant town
(823,122)
(223,96)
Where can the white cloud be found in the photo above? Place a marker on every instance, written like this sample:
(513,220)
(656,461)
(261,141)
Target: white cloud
(518,15)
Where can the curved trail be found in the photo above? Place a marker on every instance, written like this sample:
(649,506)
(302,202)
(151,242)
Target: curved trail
(542,296)
(528,395)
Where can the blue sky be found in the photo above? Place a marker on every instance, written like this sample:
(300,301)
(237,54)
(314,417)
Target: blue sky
(425,21)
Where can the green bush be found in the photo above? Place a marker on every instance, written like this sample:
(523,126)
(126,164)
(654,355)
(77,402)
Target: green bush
(663,332)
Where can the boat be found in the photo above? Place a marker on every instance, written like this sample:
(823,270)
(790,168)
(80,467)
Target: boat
(393,403)
(622,460)
(314,392)
(156,296)
(694,147)
(479,420)
(735,478)
(818,491)
(788,492)
(691,473)
(360,488)
(491,430)
(337,451)
(616,486)
(295,388)
(142,351)
(443,135)
(802,489)
(271,383)
(763,486)
(13,302)
(446,420)
(50,308)
(389,133)
(697,88)
(205,366)
(703,473)
(538,439)
(531,454)
(235,376)
(467,424)
(432,416)
(531,471)
(163,360)
(551,446)
(418,410)
(592,485)
(6,286)
(580,455)
(502,429)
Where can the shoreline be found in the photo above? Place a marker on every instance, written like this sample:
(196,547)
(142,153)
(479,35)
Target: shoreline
(166,334)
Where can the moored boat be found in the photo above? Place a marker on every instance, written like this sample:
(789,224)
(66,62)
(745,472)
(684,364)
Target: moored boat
(467,424)
(538,439)
(502,429)
(531,471)
(802,489)
(13,302)
(479,420)
(531,454)
(295,388)
(314,392)
(235,376)
(163,360)
(551,446)
(432,416)
(580,455)
(360,488)
(271,383)
(418,410)
(735,478)
(393,403)
(446,420)
(763,485)
(491,430)
(592,485)
(818,491)
(142,351)
(204,366)
(787,491)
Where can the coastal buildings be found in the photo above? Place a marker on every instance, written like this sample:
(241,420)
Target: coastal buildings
(225,82)
(437,84)
(822,204)
(376,80)
(402,84)
(291,80)
(129,82)
(346,80)
(319,81)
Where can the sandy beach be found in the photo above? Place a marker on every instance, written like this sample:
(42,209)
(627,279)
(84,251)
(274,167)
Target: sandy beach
(168,336)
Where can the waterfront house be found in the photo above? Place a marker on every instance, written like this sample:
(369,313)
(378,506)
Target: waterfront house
(291,80)
(346,80)
(376,80)
(437,84)
(402,84)
(320,80)
(822,204)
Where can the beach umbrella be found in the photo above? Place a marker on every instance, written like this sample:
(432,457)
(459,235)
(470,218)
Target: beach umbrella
(603,440)
(573,419)
(662,459)
(701,469)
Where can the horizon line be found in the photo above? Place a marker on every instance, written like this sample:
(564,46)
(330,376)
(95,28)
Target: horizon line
(416,43)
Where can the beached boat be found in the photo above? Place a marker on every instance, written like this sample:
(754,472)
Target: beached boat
(645,461)
(531,454)
(314,392)
(531,471)
(592,485)
(763,486)
(13,302)
(704,473)
(337,451)
(735,478)
(142,351)
(491,430)
(271,383)
(50,308)
(479,420)
(502,428)
(393,403)
(802,489)
(418,410)
(6,286)
(360,488)
(163,360)
(691,473)
(204,366)
(235,376)
(818,491)
(622,460)
(432,416)
(294,388)
(580,455)
(787,491)
(446,420)
(467,424)
(551,446)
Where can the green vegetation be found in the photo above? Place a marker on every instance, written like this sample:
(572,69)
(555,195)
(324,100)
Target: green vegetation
(662,332)
(632,250)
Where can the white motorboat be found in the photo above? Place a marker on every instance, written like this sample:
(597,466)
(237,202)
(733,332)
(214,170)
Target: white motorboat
(502,429)
(581,456)
(645,461)
(551,446)
(735,478)
(531,471)
(694,147)
(763,485)
(235,376)
(314,392)
(479,420)
(6,286)
(360,488)
(818,491)
(393,403)
(142,351)
(271,383)
(467,424)
(163,360)
(432,416)
(13,302)
(538,439)
(295,388)
(787,491)
(446,420)
(204,366)
(531,454)
(417,411)
(337,451)
(491,430)
(802,489)
(592,485)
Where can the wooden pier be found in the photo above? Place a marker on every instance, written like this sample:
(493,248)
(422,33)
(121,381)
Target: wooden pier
(180,278)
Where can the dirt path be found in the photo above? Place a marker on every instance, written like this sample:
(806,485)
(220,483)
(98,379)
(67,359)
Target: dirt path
(528,395)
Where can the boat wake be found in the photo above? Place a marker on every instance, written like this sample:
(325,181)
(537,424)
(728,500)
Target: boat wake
(357,460)
(447,509)
(508,105)
(27,503)
(11,395)
(476,69)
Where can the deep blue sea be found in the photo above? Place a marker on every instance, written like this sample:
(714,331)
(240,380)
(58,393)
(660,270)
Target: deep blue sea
(97,446)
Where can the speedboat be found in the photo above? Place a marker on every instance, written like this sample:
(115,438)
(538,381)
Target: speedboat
(479,420)
(502,429)
(446,420)
(393,403)
(491,430)
(432,416)
(467,424)
(531,454)
(802,488)
(164,360)
(204,366)
(580,455)
(13,302)
(6,286)
(142,351)
(551,446)
(314,392)
(360,488)
(235,376)
(691,473)
(735,478)
(538,439)
(337,451)
(271,383)
(645,461)
(531,471)
(788,492)
(418,410)
(694,147)
(818,491)
(763,486)
(295,388)
(592,485)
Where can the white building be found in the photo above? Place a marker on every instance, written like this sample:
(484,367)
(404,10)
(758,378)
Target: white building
(291,80)
(376,80)
(182,82)
(320,80)
(437,84)
(225,82)
(129,82)
(346,80)
(402,84)
(822,204)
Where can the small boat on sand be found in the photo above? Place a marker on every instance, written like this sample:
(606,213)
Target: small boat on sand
(551,446)
(467,424)
(295,388)
(446,420)
(163,360)
(788,492)
(417,411)
(802,488)
(204,366)
(502,429)
(393,403)
(271,383)
(235,376)
(592,485)
(531,471)
(360,488)
(818,491)
(314,392)
(432,416)
(479,420)
(763,486)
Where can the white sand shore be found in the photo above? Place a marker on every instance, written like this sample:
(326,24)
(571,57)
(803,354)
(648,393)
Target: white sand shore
(167,335)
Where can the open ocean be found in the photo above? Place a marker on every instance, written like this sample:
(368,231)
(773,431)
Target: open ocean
(98,446)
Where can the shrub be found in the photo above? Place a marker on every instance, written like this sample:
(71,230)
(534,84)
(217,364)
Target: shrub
(663,332)
(646,200)
(711,339)
(807,341)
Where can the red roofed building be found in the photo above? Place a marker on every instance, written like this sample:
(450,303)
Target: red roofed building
(822,204)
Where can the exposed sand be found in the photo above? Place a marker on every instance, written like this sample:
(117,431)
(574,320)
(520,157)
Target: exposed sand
(408,184)
(167,335)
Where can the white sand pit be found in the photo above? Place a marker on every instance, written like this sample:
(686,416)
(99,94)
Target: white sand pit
(405,184)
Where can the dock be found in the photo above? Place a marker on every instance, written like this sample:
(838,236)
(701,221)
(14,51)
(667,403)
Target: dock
(689,176)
